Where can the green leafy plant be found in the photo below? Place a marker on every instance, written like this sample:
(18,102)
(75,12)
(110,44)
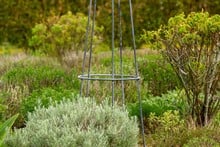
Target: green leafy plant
(170,129)
(191,45)
(5,127)
(169,121)
(158,74)
(173,100)
(44,98)
(80,122)
(165,129)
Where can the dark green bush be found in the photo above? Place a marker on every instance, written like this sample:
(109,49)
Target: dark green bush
(173,100)
(44,98)
(81,122)
(158,74)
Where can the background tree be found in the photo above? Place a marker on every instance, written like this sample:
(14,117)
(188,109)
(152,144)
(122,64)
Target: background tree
(58,35)
(18,17)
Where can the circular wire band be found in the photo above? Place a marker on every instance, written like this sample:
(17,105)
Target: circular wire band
(108,77)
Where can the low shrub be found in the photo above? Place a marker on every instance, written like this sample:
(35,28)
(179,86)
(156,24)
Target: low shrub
(173,100)
(163,130)
(39,75)
(34,78)
(170,121)
(81,122)
(170,130)
(158,74)
(44,98)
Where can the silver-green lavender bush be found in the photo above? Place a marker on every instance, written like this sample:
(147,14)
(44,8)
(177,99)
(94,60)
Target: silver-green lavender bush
(81,122)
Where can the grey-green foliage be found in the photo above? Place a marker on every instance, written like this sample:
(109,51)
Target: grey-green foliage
(77,123)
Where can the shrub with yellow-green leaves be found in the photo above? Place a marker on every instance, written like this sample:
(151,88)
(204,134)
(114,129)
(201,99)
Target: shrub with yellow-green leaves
(60,34)
(191,45)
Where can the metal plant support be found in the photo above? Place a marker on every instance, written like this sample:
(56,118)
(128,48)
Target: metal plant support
(87,76)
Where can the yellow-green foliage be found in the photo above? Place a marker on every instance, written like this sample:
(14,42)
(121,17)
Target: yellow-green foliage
(191,45)
(169,122)
(170,129)
(6,48)
(60,34)
(181,30)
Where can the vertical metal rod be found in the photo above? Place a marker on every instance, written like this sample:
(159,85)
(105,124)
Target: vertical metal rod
(120,49)
(140,109)
(86,45)
(137,74)
(91,45)
(113,47)
(133,38)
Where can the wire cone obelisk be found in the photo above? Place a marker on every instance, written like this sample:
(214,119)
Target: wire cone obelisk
(113,76)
